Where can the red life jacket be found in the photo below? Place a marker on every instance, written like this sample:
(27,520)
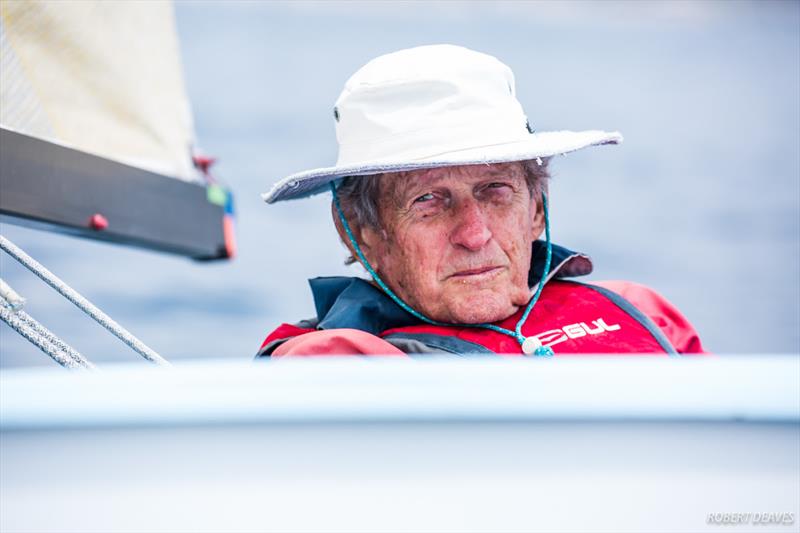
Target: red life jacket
(570,317)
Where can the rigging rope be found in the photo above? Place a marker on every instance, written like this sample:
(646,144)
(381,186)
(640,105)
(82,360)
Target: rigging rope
(41,337)
(76,298)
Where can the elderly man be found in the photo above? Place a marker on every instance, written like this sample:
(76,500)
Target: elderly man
(440,192)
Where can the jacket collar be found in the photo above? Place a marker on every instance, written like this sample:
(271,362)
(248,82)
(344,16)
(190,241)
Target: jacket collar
(343,302)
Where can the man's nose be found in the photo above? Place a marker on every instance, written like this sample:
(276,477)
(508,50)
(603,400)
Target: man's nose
(470,230)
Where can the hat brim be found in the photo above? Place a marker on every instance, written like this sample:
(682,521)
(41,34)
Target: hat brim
(544,144)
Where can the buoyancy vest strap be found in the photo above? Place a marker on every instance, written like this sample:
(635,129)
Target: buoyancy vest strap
(437,343)
(635,313)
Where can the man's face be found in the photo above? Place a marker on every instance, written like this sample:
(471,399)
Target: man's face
(456,241)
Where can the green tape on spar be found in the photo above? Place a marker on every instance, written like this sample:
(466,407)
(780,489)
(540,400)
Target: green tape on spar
(217,195)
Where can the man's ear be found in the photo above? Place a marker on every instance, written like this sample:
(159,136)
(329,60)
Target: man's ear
(537,214)
(367,238)
(371,243)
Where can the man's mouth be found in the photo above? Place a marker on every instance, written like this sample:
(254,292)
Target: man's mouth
(476,274)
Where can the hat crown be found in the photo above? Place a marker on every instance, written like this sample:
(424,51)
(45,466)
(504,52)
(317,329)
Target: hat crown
(426,100)
(431,106)
(432,62)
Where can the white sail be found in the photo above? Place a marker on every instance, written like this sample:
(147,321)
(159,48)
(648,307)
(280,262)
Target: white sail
(102,77)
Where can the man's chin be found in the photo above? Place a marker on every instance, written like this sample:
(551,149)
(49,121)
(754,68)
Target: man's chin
(480,311)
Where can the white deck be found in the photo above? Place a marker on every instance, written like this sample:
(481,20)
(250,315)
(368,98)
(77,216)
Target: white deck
(621,444)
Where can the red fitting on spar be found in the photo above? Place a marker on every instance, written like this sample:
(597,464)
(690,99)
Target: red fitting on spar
(98,222)
(203,162)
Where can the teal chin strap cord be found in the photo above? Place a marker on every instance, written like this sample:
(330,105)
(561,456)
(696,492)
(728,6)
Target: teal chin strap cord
(530,345)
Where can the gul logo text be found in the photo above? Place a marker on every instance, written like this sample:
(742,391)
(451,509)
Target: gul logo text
(573,331)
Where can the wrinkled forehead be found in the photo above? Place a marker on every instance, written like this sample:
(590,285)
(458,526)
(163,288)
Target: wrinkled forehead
(395,185)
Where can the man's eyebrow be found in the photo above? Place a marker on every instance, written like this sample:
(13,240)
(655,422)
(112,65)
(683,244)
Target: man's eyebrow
(505,170)
(403,186)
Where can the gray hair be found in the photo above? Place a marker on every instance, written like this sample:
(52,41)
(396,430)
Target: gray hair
(359,196)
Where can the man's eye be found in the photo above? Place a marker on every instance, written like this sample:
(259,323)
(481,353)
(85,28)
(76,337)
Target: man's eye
(424,198)
(498,187)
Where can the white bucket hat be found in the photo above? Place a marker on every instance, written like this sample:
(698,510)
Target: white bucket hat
(431,106)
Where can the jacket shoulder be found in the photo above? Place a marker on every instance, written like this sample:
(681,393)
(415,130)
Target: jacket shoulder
(294,340)
(283,333)
(680,332)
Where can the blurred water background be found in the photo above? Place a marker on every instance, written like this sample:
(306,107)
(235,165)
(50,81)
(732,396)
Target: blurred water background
(701,202)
